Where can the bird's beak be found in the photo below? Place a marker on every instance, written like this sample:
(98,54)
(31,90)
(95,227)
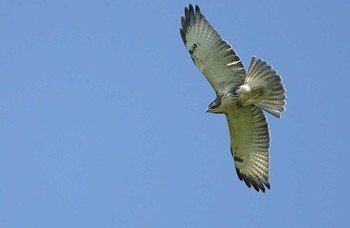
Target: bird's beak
(207,110)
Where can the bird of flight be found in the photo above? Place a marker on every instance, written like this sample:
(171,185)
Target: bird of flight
(241,96)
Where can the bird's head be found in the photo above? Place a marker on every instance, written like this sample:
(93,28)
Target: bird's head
(214,107)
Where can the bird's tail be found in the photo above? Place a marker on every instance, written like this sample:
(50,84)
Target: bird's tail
(268,84)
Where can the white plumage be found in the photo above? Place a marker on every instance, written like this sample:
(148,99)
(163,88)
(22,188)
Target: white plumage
(241,96)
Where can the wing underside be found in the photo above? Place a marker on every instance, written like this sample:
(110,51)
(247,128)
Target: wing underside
(250,142)
(214,57)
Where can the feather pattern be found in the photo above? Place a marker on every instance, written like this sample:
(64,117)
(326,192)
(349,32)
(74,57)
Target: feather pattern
(260,73)
(241,97)
(214,57)
(250,142)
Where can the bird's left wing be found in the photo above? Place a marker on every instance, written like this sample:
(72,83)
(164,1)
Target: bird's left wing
(250,142)
(214,57)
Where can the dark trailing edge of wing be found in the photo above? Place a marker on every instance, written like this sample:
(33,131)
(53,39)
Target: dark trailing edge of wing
(188,19)
(249,181)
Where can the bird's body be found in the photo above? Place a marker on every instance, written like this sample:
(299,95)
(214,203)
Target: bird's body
(240,95)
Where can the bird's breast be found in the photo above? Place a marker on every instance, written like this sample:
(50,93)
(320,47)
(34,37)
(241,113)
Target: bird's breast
(230,103)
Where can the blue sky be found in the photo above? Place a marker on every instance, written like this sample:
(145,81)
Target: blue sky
(103,125)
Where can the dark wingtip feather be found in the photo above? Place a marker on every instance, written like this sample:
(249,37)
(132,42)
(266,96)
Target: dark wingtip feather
(185,21)
(239,173)
(198,10)
(190,7)
(249,181)
(188,19)
(183,29)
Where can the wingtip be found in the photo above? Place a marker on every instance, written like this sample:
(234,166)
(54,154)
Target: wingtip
(238,172)
(198,10)
(249,181)
(190,8)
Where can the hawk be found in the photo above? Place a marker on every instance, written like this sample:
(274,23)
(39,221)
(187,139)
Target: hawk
(241,95)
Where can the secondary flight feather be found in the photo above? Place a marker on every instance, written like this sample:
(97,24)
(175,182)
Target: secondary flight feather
(241,96)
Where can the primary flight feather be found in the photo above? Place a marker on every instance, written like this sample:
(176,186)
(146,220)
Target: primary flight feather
(240,95)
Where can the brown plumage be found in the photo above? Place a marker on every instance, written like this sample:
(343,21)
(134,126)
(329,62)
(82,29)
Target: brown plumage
(241,96)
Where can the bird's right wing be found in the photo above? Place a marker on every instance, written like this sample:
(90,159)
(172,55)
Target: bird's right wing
(214,57)
(250,142)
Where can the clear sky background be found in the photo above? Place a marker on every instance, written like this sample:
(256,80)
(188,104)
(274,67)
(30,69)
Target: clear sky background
(102,119)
